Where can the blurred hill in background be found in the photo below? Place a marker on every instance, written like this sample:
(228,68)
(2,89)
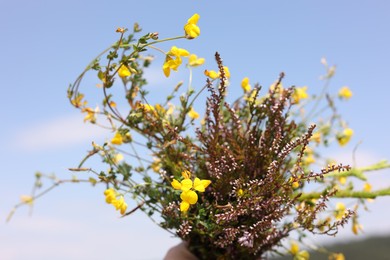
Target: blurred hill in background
(374,248)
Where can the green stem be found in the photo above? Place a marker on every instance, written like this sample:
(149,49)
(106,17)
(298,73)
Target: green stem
(347,194)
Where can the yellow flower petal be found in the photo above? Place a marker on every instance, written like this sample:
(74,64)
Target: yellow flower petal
(176,184)
(117,139)
(173,59)
(186,174)
(109,192)
(186,184)
(189,196)
(184,206)
(193,60)
(166,66)
(211,74)
(201,185)
(194,18)
(123,208)
(193,114)
(178,52)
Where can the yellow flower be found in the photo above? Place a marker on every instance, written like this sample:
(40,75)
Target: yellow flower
(336,256)
(194,61)
(213,74)
(340,210)
(120,30)
(193,114)
(170,64)
(316,137)
(294,248)
(110,195)
(27,199)
(309,159)
(190,28)
(245,84)
(117,139)
(367,187)
(227,72)
(178,52)
(302,255)
(356,227)
(342,180)
(117,158)
(77,101)
(173,59)
(171,109)
(120,205)
(299,93)
(345,93)
(91,114)
(111,198)
(156,165)
(345,136)
(148,108)
(123,71)
(201,185)
(295,185)
(188,195)
(112,104)
(186,174)
(160,109)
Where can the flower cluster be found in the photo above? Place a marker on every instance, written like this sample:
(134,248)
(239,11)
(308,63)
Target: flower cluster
(188,188)
(173,59)
(117,200)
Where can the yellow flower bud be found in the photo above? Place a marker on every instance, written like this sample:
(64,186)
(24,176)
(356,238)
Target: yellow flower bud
(345,93)
(245,84)
(191,28)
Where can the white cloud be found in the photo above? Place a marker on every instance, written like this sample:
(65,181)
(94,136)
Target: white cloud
(58,133)
(93,233)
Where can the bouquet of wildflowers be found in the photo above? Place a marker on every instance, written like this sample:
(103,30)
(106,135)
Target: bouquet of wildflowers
(233,183)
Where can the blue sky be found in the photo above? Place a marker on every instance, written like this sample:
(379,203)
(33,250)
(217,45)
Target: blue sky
(46,44)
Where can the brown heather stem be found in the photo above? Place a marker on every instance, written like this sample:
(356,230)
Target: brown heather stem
(359,172)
